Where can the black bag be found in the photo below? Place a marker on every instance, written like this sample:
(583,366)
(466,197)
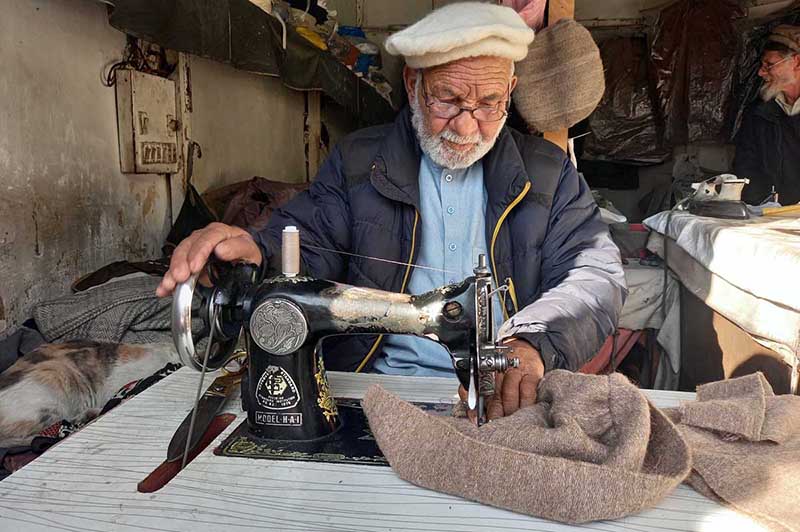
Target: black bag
(195,213)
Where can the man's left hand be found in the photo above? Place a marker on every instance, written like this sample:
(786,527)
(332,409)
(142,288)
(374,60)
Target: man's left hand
(516,388)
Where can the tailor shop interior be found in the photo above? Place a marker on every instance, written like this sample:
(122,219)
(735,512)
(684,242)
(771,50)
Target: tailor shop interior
(669,131)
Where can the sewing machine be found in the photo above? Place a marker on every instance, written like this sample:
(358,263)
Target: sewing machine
(284,318)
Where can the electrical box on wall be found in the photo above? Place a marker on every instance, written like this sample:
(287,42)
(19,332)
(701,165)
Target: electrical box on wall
(147,124)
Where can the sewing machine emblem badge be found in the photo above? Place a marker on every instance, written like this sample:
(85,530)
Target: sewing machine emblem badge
(277,390)
(278,327)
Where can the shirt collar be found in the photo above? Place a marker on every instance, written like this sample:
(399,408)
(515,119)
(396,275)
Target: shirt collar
(438,170)
(791,110)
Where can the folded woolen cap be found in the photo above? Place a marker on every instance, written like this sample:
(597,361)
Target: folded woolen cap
(787,35)
(561,81)
(465,29)
(591,448)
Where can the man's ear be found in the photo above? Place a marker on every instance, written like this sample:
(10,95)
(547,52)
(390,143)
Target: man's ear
(410,81)
(514,80)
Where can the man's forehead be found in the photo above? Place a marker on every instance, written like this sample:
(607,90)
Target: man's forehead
(771,56)
(486,75)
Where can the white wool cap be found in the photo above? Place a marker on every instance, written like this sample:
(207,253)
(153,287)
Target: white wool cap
(465,29)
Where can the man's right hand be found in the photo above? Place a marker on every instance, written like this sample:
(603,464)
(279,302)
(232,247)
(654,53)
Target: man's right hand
(228,243)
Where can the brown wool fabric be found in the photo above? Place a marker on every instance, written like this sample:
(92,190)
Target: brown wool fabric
(745,444)
(561,80)
(591,448)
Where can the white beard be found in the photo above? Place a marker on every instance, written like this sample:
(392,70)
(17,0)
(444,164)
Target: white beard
(435,148)
(769,91)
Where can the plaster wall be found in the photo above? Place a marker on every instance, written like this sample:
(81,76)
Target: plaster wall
(246,125)
(65,208)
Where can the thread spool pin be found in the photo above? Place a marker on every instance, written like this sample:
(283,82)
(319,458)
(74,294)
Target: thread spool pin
(290,251)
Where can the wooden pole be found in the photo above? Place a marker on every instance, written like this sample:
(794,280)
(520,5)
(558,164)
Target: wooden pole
(314,133)
(556,10)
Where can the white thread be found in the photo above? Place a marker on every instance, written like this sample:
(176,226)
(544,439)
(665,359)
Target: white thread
(290,251)
(379,259)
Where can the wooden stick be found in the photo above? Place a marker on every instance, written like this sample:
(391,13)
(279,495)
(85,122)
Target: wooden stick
(556,10)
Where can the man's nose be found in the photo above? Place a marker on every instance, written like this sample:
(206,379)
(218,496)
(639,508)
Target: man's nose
(763,72)
(464,124)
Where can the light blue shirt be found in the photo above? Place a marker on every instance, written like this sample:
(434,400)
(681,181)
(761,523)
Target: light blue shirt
(453,233)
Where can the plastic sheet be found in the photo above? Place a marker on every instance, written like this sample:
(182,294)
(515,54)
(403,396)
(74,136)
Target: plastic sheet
(531,11)
(624,126)
(694,64)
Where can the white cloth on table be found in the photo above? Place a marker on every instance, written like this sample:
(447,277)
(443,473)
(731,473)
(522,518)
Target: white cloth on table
(744,269)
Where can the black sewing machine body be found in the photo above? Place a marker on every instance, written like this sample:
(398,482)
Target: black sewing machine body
(285,320)
(285,392)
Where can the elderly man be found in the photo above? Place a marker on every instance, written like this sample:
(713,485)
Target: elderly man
(428,193)
(768,143)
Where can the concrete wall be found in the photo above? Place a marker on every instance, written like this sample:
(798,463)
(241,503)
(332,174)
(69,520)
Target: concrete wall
(246,124)
(65,208)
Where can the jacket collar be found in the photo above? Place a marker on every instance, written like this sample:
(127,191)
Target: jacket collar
(770,111)
(395,170)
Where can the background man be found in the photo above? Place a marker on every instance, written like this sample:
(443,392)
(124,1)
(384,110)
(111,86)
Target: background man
(443,183)
(768,143)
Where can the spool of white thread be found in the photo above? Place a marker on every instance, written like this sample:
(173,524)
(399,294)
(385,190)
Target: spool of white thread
(290,251)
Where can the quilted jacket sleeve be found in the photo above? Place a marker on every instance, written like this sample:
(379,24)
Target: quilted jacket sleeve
(583,284)
(322,214)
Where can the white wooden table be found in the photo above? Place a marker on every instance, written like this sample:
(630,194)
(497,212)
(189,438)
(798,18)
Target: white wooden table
(88,482)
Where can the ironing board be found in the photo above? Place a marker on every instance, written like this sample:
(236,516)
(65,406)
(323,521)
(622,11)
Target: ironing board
(88,482)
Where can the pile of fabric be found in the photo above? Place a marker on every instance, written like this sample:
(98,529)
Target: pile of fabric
(593,447)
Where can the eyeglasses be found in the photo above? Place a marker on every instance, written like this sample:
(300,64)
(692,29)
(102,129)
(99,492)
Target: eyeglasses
(766,67)
(449,111)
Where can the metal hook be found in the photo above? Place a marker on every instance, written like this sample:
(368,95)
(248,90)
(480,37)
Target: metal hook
(503,288)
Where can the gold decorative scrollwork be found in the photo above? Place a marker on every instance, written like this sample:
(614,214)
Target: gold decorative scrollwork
(324,398)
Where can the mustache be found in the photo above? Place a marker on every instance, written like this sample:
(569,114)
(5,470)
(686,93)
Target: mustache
(455,138)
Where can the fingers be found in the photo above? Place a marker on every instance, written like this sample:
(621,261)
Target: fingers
(527,390)
(201,247)
(472,415)
(462,394)
(510,391)
(226,242)
(241,247)
(494,408)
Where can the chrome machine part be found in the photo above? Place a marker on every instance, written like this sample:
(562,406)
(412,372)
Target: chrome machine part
(278,326)
(182,321)
(489,357)
(219,346)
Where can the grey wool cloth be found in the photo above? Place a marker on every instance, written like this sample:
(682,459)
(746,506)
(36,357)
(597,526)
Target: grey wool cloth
(745,444)
(591,448)
(120,311)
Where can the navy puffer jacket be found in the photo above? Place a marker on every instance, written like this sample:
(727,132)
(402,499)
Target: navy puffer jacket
(543,230)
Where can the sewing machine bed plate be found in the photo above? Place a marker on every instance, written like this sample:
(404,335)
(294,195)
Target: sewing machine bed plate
(353,443)
(88,482)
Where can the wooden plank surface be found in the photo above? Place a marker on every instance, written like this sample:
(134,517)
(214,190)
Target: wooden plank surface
(556,10)
(88,482)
